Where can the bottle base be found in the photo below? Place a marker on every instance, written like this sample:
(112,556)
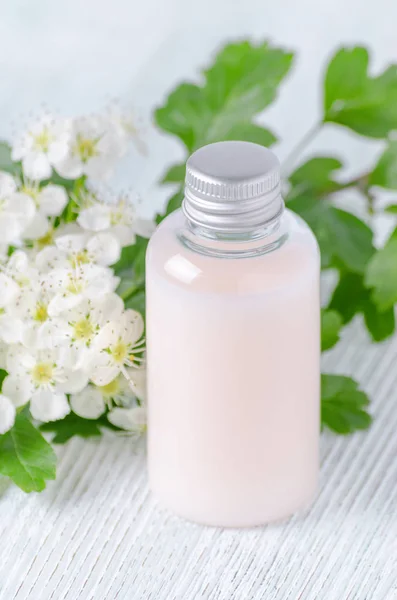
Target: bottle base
(237,522)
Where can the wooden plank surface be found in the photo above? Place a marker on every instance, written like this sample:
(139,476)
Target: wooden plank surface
(96,533)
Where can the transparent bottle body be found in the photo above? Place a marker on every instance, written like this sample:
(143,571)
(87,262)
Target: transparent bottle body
(233,345)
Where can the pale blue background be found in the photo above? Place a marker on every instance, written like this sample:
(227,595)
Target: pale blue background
(75,55)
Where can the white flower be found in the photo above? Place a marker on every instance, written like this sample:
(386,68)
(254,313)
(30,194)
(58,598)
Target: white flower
(88,403)
(22,301)
(116,346)
(102,248)
(119,218)
(49,201)
(31,310)
(3,355)
(91,403)
(74,284)
(133,420)
(9,290)
(11,329)
(22,272)
(75,330)
(7,414)
(126,127)
(80,248)
(94,149)
(16,210)
(44,144)
(42,379)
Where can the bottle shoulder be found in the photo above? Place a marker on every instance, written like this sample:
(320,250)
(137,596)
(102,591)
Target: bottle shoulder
(169,259)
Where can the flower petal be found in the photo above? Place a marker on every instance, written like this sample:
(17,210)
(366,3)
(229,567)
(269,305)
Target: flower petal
(9,290)
(52,200)
(18,261)
(107,308)
(18,389)
(105,248)
(103,371)
(7,185)
(88,404)
(133,325)
(50,258)
(7,414)
(36,166)
(124,234)
(76,380)
(11,329)
(73,242)
(132,419)
(62,302)
(47,405)
(22,206)
(138,377)
(10,229)
(95,218)
(144,228)
(19,359)
(107,337)
(37,227)
(70,167)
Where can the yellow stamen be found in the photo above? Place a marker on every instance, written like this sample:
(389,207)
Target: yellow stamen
(80,258)
(83,330)
(111,389)
(42,373)
(85,148)
(41,313)
(74,286)
(46,240)
(42,140)
(119,352)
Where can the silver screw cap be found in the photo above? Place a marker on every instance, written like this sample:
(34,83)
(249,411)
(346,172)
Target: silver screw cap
(232,187)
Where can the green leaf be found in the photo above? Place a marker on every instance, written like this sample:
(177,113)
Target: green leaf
(137,301)
(26,457)
(73,425)
(340,234)
(132,260)
(242,81)
(316,175)
(365,104)
(6,162)
(68,184)
(385,172)
(249,132)
(391,209)
(3,375)
(381,274)
(380,325)
(347,297)
(175,174)
(331,324)
(343,404)
(351,297)
(185,115)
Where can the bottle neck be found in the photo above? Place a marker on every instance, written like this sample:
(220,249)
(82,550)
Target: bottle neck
(208,241)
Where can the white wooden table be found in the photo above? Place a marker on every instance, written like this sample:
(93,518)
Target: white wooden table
(96,533)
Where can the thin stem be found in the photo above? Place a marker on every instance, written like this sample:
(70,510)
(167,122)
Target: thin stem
(360,182)
(131,383)
(130,291)
(295,152)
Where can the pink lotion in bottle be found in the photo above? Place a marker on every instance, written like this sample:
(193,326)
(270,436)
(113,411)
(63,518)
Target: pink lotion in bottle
(233,340)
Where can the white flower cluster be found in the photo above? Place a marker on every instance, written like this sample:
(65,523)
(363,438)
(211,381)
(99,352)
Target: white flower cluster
(66,340)
(73,147)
